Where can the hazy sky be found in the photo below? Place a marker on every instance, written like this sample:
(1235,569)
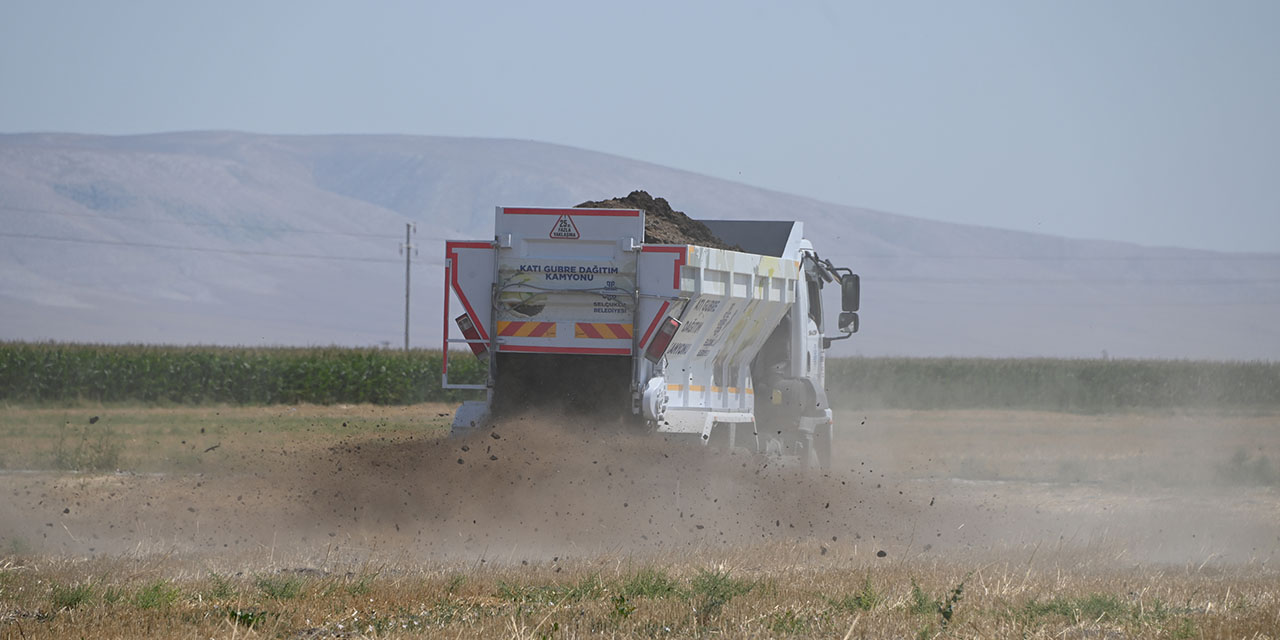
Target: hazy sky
(1155,121)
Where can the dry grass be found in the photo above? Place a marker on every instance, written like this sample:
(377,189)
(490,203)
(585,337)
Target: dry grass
(778,590)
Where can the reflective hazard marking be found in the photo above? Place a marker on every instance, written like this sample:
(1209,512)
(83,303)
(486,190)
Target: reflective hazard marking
(527,329)
(605,330)
(565,229)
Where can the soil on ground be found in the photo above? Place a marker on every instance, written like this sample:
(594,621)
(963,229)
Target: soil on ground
(546,486)
(662,224)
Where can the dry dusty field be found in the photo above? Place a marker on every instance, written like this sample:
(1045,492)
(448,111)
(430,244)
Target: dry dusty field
(345,522)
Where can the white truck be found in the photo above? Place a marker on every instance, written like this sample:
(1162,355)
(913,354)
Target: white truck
(572,309)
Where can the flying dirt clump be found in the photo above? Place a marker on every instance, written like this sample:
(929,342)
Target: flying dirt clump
(662,224)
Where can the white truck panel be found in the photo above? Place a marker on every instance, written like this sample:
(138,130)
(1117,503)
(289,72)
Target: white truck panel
(468,276)
(732,301)
(566,280)
(658,283)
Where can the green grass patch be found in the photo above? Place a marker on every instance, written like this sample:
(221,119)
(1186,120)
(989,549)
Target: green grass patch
(219,588)
(711,589)
(789,623)
(83,447)
(69,596)
(587,588)
(280,587)
(921,603)
(1095,606)
(248,618)
(622,607)
(156,595)
(864,599)
(649,583)
(114,594)
(361,585)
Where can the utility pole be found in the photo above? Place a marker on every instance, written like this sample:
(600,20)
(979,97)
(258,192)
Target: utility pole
(408,249)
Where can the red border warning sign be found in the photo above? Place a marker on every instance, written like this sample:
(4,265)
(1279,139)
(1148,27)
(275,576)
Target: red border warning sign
(565,229)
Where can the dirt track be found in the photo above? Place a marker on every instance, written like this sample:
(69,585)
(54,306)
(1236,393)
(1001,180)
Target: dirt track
(539,488)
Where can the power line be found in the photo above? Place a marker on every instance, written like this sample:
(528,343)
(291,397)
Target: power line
(1041,282)
(1084,304)
(149,245)
(189,223)
(871,279)
(906,256)
(917,256)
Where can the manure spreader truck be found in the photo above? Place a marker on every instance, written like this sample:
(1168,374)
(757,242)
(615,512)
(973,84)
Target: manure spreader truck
(573,310)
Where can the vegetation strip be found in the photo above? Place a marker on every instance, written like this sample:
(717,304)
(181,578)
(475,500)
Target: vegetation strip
(43,597)
(62,373)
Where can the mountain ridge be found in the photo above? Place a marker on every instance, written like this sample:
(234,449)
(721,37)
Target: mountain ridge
(249,208)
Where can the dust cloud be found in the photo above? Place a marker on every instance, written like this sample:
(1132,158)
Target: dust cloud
(544,487)
(547,485)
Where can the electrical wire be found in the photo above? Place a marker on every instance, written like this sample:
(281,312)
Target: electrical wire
(1129,258)
(190,223)
(1061,281)
(174,247)
(852,257)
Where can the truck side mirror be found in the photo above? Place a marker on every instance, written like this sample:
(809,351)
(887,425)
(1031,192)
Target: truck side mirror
(849,293)
(849,321)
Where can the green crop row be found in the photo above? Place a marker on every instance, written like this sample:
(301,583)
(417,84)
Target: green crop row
(52,372)
(203,375)
(1080,386)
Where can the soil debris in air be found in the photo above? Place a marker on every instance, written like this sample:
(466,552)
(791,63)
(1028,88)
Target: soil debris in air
(662,224)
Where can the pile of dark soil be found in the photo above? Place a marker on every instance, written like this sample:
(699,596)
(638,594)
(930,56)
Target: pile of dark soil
(662,224)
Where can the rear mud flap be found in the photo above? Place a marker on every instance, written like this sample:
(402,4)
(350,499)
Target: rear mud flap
(471,415)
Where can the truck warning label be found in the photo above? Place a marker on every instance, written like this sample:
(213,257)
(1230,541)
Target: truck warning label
(565,229)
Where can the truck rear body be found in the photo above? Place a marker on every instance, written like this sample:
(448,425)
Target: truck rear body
(565,302)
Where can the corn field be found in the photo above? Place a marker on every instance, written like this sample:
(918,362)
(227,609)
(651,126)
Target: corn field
(209,375)
(1078,386)
(52,372)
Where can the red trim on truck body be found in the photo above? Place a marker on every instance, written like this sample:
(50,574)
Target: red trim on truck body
(682,257)
(450,248)
(615,213)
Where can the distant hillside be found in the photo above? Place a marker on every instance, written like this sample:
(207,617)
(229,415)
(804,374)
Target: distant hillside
(231,238)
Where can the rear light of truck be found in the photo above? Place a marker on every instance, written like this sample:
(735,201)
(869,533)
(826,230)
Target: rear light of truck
(470,333)
(658,346)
